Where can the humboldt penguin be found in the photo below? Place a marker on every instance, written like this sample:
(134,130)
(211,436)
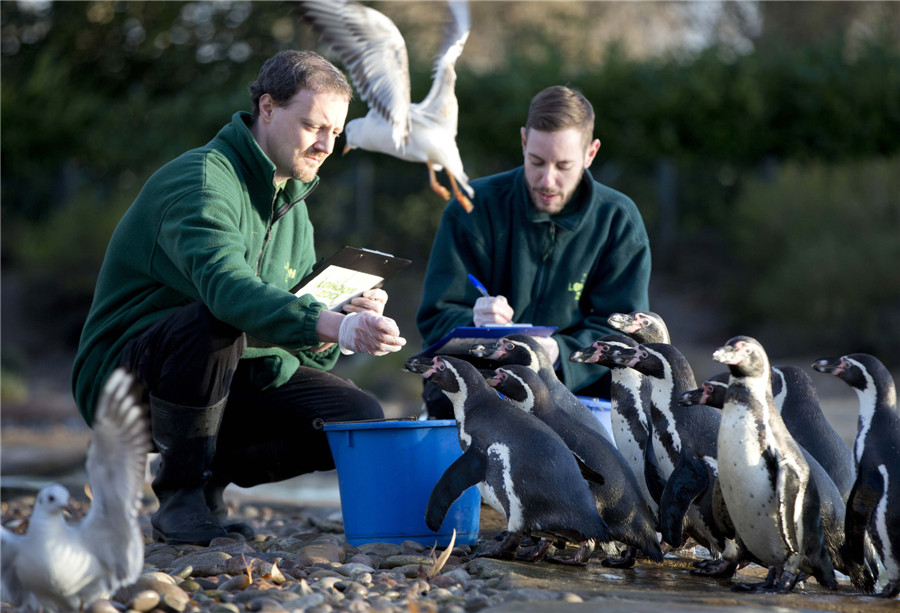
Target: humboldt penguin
(873,507)
(684,441)
(796,399)
(619,499)
(629,405)
(523,349)
(765,480)
(642,326)
(525,467)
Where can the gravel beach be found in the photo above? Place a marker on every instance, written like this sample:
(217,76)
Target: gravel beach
(300,561)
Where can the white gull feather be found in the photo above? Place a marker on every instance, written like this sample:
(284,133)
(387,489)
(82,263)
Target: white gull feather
(374,52)
(56,566)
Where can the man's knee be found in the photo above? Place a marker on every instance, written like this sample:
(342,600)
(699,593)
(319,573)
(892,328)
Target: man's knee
(365,406)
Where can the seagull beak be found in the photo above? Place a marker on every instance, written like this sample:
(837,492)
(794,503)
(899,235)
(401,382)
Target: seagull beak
(346,149)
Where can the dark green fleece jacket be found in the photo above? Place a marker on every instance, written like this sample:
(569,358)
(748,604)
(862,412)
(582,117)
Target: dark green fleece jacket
(570,270)
(208,226)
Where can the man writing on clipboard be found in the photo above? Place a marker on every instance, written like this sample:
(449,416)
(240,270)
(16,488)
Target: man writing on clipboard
(552,246)
(205,258)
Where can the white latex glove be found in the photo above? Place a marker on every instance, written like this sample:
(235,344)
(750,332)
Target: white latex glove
(492,310)
(370,300)
(366,332)
(550,346)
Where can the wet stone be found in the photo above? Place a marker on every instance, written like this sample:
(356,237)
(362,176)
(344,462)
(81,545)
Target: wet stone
(320,552)
(102,606)
(143,601)
(205,563)
(381,550)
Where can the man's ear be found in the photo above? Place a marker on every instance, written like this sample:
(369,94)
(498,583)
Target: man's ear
(266,106)
(591,152)
(524,138)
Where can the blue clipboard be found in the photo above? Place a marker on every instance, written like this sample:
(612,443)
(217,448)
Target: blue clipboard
(459,340)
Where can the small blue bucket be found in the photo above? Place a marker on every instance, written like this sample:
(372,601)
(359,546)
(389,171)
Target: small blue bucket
(601,408)
(386,471)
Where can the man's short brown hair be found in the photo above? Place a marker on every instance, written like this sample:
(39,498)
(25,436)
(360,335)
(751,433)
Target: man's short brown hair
(287,72)
(559,108)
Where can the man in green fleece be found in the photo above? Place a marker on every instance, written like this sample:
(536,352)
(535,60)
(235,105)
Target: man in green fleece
(551,245)
(203,260)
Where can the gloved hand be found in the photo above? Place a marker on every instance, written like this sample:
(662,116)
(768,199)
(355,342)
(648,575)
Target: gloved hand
(366,332)
(550,346)
(370,300)
(492,310)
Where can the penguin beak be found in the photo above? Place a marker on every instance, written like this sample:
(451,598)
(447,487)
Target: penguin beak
(496,379)
(418,365)
(691,397)
(725,355)
(829,366)
(488,352)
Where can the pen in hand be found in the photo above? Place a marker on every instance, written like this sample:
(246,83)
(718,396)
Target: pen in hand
(479,286)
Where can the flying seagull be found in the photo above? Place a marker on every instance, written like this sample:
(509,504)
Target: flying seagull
(373,50)
(56,566)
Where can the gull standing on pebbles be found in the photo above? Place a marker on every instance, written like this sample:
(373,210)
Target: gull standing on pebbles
(56,566)
(373,50)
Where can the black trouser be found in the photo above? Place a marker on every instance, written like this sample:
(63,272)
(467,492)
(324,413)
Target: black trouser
(190,358)
(438,406)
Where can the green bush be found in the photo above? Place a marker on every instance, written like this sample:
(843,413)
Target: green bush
(818,249)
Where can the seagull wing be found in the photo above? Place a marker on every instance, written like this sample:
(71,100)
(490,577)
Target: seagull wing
(120,441)
(373,50)
(10,543)
(440,104)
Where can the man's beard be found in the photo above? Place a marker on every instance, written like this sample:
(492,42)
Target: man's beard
(306,172)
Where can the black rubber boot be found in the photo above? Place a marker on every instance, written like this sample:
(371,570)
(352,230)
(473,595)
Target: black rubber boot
(219,511)
(186,440)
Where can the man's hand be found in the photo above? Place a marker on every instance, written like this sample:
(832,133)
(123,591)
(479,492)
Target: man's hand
(492,310)
(366,332)
(550,346)
(370,300)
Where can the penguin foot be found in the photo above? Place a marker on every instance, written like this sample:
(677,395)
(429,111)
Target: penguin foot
(767,586)
(625,561)
(580,558)
(891,590)
(720,568)
(536,553)
(506,550)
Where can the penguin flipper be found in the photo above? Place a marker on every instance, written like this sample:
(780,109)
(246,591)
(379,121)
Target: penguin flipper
(688,480)
(787,492)
(864,496)
(467,470)
(589,473)
(653,475)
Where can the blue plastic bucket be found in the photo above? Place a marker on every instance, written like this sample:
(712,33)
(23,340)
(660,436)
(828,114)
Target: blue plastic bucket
(601,409)
(386,471)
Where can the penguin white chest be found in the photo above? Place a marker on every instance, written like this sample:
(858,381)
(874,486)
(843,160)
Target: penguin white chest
(748,485)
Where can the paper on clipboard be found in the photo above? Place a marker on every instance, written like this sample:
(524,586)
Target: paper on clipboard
(459,340)
(347,274)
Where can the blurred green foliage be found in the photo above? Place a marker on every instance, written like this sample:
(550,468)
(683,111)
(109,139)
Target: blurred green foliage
(790,142)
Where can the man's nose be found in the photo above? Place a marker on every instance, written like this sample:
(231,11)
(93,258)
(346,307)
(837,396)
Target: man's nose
(325,143)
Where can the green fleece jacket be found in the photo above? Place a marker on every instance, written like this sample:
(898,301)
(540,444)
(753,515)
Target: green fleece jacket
(209,226)
(570,270)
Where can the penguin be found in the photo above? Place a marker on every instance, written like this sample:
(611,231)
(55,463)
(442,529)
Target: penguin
(642,326)
(629,405)
(619,499)
(712,393)
(526,468)
(676,428)
(796,399)
(765,480)
(873,507)
(523,349)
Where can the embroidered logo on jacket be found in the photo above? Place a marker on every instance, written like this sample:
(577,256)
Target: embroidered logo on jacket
(290,274)
(578,287)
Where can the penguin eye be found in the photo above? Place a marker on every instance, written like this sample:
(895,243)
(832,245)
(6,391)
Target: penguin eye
(441,366)
(510,346)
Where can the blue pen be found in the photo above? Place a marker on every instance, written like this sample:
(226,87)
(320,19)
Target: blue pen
(479,286)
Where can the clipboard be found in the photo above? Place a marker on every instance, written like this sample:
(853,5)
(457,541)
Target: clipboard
(348,273)
(459,340)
